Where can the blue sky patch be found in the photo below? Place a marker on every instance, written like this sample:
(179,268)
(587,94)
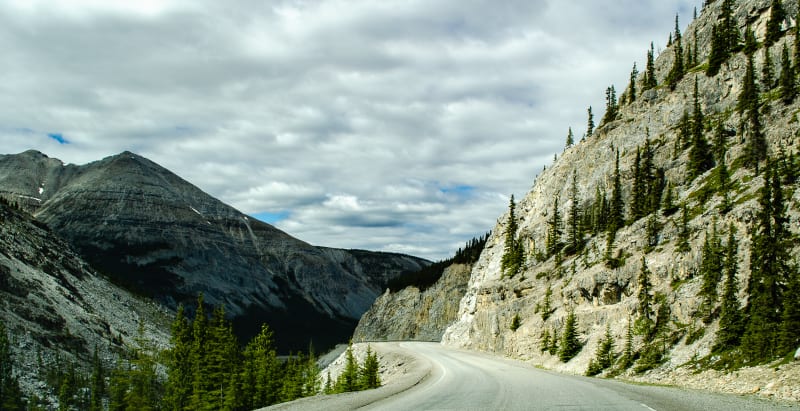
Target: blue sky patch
(459,190)
(58,137)
(272,218)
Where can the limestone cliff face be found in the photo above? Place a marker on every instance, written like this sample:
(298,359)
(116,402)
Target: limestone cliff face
(601,295)
(161,236)
(411,314)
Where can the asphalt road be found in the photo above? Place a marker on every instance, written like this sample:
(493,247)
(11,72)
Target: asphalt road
(450,379)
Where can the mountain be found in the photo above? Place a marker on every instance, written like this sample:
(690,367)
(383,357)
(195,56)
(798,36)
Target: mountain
(676,319)
(57,309)
(160,236)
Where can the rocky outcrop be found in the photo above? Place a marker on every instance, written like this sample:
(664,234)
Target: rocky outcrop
(160,236)
(55,306)
(411,314)
(600,295)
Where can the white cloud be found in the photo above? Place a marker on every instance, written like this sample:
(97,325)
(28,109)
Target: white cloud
(356,120)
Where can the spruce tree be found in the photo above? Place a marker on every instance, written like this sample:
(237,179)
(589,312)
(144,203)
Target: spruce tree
(570,345)
(513,252)
(638,192)
(627,353)
(756,148)
(604,356)
(730,316)
(644,292)
(700,156)
(10,392)
(612,106)
(750,42)
(767,74)
(776,18)
(348,379)
(677,71)
(589,123)
(97,383)
(369,372)
(554,231)
(547,308)
(632,84)
(544,342)
(683,232)
(711,267)
(570,138)
(198,356)
(789,334)
(650,70)
(179,367)
(574,231)
(787,79)
(617,207)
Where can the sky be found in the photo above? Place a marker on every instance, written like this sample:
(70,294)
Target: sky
(391,125)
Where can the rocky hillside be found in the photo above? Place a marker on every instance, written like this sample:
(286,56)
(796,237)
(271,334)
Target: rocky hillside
(600,284)
(160,236)
(414,314)
(55,306)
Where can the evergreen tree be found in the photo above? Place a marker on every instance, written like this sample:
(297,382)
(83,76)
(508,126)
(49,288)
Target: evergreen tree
(639,191)
(570,345)
(797,42)
(513,253)
(650,70)
(143,392)
(97,383)
(612,106)
(554,342)
(590,123)
(574,231)
(616,217)
(789,337)
(348,380)
(787,79)
(677,71)
(632,84)
(118,386)
(10,392)
(554,231)
(700,156)
(750,42)
(767,74)
(198,357)
(627,353)
(776,18)
(644,293)
(683,232)
(724,38)
(604,356)
(179,367)
(369,372)
(544,342)
(652,229)
(756,149)
(684,134)
(769,271)
(260,375)
(547,308)
(570,138)
(730,317)
(668,205)
(711,267)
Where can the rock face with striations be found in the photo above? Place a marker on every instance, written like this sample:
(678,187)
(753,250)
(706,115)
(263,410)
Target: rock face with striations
(411,314)
(55,306)
(160,236)
(599,294)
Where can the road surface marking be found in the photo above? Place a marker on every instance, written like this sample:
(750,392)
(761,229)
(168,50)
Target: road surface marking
(645,405)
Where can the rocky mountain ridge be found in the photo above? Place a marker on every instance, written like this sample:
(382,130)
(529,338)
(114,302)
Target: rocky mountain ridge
(58,310)
(153,232)
(604,296)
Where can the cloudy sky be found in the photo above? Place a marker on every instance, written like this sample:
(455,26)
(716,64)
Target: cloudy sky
(395,125)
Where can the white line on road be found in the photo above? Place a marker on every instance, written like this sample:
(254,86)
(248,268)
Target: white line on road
(645,405)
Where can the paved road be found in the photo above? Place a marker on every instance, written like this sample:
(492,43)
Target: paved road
(465,380)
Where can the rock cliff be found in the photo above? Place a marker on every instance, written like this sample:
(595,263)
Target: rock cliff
(55,306)
(601,295)
(158,235)
(411,314)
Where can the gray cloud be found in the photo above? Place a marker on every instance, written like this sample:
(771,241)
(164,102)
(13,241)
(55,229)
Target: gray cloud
(391,125)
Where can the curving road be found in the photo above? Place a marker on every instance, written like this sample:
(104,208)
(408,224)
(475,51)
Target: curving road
(451,379)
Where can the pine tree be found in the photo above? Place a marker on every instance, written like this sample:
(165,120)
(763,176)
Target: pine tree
(750,42)
(797,42)
(554,342)
(787,79)
(612,106)
(639,191)
(677,71)
(369,372)
(574,231)
(644,292)
(632,84)
(97,383)
(570,345)
(547,308)
(776,18)
(730,317)
(513,253)
(789,337)
(617,207)
(10,392)
(348,380)
(684,134)
(143,392)
(590,123)
(627,353)
(668,205)
(724,38)
(570,138)
(260,373)
(700,156)
(711,267)
(767,74)
(756,149)
(544,342)
(604,356)
(179,367)
(554,231)
(683,232)
(650,70)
